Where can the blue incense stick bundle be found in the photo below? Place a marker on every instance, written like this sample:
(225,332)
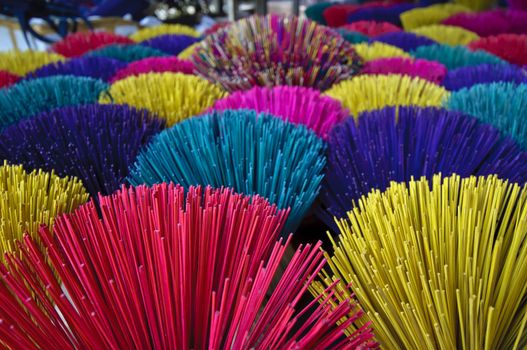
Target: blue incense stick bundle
(32,97)
(252,153)
(404,40)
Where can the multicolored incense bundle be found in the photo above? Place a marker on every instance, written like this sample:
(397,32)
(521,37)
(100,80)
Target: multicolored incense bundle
(275,50)
(169,268)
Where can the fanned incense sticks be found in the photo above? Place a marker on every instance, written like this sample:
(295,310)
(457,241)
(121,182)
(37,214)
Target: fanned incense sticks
(127,53)
(94,67)
(503,105)
(154,65)
(253,154)
(432,71)
(173,96)
(369,92)
(404,40)
(168,269)
(77,44)
(22,62)
(352,37)
(375,50)
(7,79)
(372,28)
(510,47)
(28,200)
(455,56)
(465,77)
(491,22)
(31,97)
(95,143)
(152,32)
(437,265)
(447,35)
(390,13)
(434,14)
(297,105)
(396,144)
(171,44)
(275,50)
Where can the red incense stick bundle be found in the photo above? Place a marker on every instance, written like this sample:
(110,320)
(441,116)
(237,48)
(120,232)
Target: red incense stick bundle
(169,269)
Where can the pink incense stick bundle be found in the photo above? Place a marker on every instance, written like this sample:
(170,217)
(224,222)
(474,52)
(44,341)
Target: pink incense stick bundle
(167,268)
(372,28)
(510,47)
(429,70)
(154,65)
(297,105)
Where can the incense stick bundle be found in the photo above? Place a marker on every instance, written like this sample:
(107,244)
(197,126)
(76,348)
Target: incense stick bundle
(28,200)
(77,44)
(369,92)
(297,105)
(447,35)
(7,79)
(252,153)
(465,77)
(432,71)
(376,50)
(275,50)
(152,32)
(31,97)
(168,268)
(171,44)
(372,28)
(455,56)
(172,96)
(154,65)
(437,265)
(127,53)
(89,66)
(503,105)
(398,144)
(23,62)
(95,143)
(510,47)
(406,41)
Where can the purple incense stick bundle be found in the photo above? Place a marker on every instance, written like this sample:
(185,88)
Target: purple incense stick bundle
(396,144)
(171,44)
(96,143)
(460,78)
(404,40)
(102,68)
